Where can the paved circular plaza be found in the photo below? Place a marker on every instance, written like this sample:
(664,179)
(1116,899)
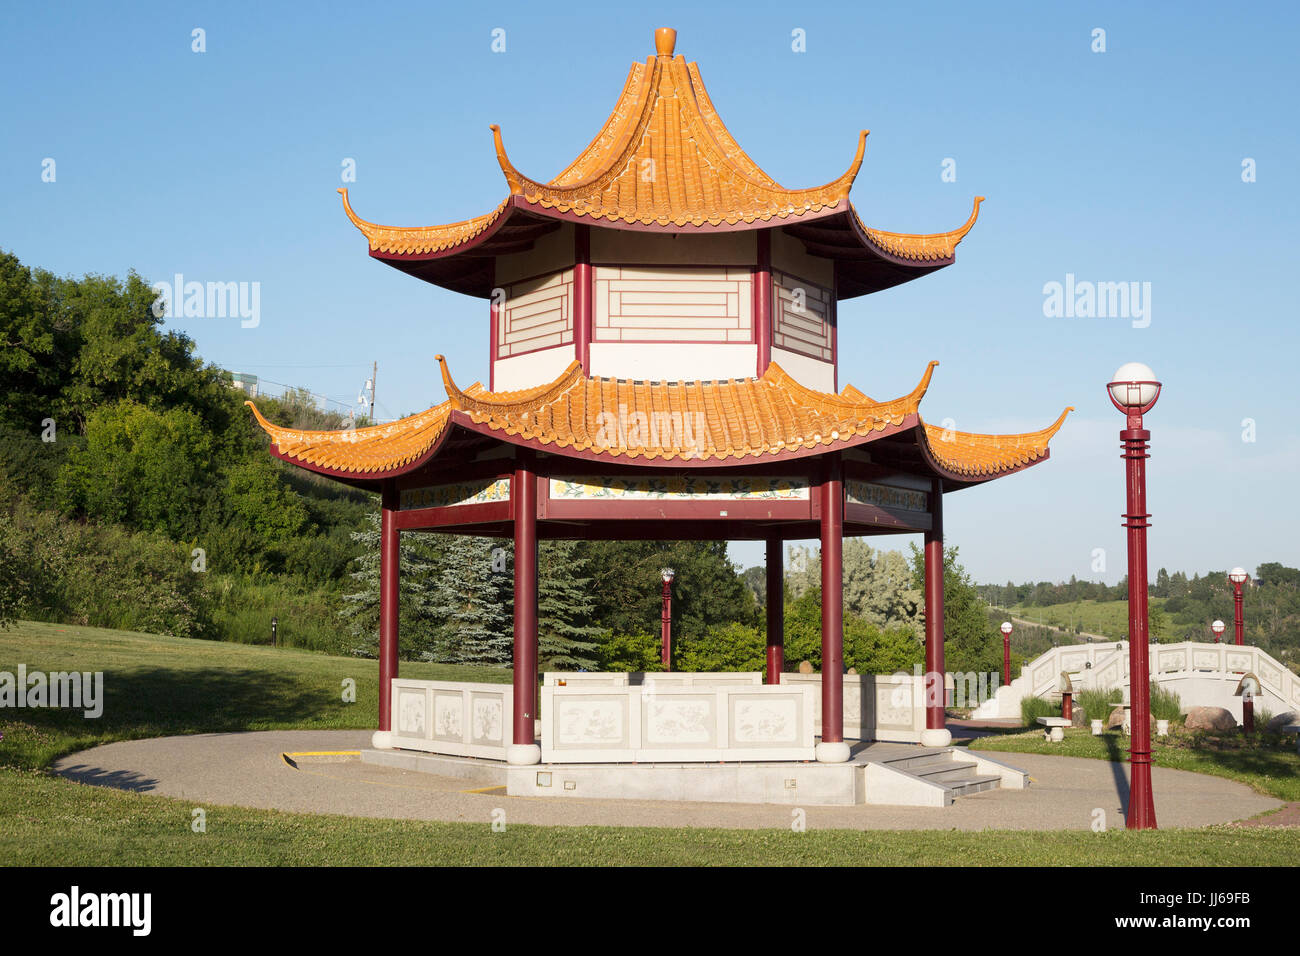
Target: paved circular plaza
(248,770)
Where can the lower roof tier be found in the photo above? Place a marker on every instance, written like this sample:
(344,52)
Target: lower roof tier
(661,425)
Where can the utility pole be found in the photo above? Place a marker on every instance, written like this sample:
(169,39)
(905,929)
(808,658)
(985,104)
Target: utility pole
(374,374)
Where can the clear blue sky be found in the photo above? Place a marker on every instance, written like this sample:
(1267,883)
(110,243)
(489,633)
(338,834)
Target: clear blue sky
(1117,166)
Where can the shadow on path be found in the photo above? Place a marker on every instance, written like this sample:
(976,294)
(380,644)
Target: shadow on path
(118,779)
(1117,770)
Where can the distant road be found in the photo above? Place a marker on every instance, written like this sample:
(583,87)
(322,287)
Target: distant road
(1078,638)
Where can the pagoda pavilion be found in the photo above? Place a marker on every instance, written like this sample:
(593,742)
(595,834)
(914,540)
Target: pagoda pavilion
(664,365)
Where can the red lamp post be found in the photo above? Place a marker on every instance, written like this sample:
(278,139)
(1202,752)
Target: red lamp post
(1134,391)
(1217,628)
(1006,652)
(666,635)
(1238,577)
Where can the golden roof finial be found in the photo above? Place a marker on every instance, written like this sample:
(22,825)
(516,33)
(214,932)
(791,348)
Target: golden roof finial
(665,41)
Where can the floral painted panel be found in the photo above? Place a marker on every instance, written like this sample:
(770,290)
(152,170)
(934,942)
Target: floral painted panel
(460,493)
(766,721)
(886,496)
(590,722)
(448,716)
(682,720)
(486,720)
(894,706)
(1205,660)
(681,488)
(411,714)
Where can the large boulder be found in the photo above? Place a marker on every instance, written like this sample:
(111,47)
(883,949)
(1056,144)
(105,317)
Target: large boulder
(1078,717)
(1282,720)
(1116,720)
(1211,718)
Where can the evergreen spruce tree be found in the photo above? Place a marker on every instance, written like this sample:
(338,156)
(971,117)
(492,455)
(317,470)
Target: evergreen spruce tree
(420,560)
(470,602)
(566,638)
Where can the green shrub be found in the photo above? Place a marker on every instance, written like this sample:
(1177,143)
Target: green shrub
(1097,704)
(1031,708)
(1165,704)
(723,647)
(630,652)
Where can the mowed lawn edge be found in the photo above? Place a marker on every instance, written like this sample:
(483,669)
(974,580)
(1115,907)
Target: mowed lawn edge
(47,821)
(1271,767)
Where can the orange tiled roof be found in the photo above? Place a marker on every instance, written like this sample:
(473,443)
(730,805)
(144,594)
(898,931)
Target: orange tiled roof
(984,456)
(650,421)
(379,448)
(921,247)
(663,158)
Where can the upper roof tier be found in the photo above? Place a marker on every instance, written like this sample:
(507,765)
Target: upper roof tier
(663,161)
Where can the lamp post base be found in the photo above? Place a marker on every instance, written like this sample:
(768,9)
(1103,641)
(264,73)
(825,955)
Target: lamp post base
(1141,806)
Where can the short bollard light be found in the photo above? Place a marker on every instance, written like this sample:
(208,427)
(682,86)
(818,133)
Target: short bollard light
(275,621)
(1247,688)
(1067,696)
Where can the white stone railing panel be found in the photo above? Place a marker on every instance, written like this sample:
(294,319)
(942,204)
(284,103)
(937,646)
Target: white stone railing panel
(657,678)
(653,723)
(887,707)
(452,717)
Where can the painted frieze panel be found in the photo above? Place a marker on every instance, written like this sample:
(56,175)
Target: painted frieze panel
(473,492)
(886,496)
(680,488)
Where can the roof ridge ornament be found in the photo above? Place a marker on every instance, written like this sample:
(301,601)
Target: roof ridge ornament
(513,179)
(665,41)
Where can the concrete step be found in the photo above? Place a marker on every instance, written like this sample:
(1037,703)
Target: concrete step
(945,772)
(918,758)
(934,776)
(966,786)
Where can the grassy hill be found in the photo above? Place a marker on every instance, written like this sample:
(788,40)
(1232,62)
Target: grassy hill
(156,686)
(1107,618)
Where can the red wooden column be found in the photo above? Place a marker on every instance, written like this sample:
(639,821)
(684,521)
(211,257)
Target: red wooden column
(582,290)
(762,299)
(832,748)
(523,749)
(389,576)
(775,610)
(936,732)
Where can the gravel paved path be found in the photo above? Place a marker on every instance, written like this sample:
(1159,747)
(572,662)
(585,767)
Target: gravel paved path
(247,770)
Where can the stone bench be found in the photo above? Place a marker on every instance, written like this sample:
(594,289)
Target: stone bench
(1055,731)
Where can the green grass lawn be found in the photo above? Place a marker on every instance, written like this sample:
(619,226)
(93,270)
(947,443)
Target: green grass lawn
(1109,618)
(159,685)
(53,822)
(1271,768)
